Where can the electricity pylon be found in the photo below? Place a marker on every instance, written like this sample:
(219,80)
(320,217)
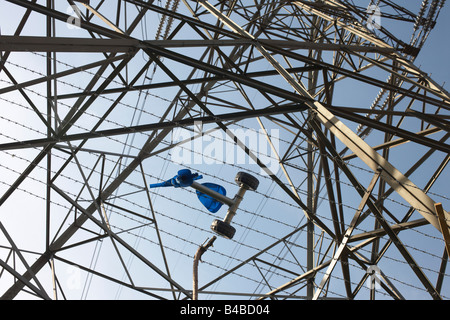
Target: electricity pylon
(92,94)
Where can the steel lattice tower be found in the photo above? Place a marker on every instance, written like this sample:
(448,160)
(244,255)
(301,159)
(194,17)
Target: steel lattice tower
(94,93)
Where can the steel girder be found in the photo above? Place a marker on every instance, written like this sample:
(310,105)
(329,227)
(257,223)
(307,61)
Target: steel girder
(267,40)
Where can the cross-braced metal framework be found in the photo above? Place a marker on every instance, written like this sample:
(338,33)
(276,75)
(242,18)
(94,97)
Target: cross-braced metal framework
(92,94)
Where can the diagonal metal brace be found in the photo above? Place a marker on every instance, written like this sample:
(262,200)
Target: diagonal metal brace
(347,235)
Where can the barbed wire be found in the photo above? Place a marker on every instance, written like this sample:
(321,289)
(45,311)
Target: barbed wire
(260,216)
(36,131)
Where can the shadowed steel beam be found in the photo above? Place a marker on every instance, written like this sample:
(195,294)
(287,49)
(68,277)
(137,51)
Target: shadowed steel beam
(376,212)
(65,17)
(102,17)
(41,292)
(289,44)
(23,280)
(243,263)
(71,117)
(444,226)
(151,127)
(73,228)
